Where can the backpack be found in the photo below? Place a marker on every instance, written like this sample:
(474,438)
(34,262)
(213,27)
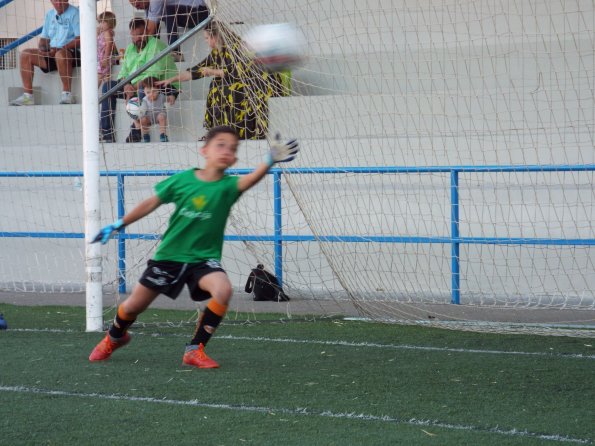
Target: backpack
(264,286)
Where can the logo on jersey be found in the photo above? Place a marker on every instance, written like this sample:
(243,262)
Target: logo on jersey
(199,202)
(189,213)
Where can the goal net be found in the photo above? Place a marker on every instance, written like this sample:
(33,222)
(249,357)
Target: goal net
(445,173)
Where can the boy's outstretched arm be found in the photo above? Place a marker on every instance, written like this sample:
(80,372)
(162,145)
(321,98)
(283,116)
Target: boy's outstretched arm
(142,209)
(279,153)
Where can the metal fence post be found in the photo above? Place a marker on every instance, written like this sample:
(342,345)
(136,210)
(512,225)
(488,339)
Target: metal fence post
(454,234)
(277,211)
(121,238)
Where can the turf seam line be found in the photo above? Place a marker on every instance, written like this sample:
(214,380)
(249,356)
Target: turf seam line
(404,347)
(299,411)
(341,344)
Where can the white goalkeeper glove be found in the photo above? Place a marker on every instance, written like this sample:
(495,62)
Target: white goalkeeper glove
(282,152)
(107,231)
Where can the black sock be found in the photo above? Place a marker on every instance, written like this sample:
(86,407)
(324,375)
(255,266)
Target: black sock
(206,326)
(120,325)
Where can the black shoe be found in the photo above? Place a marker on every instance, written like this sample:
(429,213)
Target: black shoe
(134,136)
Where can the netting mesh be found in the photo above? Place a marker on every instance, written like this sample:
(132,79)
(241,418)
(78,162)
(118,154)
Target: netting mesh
(383,84)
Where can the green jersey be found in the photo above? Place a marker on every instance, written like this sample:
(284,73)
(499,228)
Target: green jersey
(195,230)
(133,60)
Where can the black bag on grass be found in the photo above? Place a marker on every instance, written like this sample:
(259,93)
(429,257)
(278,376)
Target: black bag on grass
(264,286)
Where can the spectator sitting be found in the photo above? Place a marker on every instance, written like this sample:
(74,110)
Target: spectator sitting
(106,22)
(154,102)
(176,14)
(58,49)
(142,50)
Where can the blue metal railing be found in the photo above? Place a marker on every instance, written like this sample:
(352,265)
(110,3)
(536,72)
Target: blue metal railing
(19,41)
(278,238)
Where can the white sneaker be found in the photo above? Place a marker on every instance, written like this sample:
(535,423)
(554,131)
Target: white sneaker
(67,98)
(23,100)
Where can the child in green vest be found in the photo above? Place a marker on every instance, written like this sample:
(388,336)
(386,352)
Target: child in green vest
(190,250)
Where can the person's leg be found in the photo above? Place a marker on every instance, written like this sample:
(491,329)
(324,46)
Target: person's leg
(117,335)
(65,62)
(29,59)
(145,127)
(162,120)
(107,112)
(216,284)
(135,304)
(145,124)
(189,17)
(171,25)
(135,134)
(185,17)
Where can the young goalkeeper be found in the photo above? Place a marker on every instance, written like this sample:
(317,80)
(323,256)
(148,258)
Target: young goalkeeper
(190,250)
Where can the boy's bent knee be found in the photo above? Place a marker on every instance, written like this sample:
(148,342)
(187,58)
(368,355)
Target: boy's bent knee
(222,295)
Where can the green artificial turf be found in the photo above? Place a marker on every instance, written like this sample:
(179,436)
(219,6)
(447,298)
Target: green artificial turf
(313,382)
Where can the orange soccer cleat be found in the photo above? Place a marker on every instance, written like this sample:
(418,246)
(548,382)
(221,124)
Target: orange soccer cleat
(198,358)
(105,348)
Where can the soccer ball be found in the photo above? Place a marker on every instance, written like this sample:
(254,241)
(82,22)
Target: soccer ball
(136,108)
(276,47)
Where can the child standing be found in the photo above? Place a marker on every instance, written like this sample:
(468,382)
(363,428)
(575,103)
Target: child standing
(106,23)
(156,113)
(190,249)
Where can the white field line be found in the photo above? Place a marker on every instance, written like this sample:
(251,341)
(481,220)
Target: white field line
(298,411)
(343,344)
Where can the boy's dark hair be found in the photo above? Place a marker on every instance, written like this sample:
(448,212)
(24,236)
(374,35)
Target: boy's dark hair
(136,23)
(150,82)
(218,130)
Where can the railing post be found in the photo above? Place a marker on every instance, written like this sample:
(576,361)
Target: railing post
(121,238)
(454,234)
(277,211)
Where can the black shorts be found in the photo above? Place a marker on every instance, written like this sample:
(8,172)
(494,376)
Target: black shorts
(169,277)
(51,61)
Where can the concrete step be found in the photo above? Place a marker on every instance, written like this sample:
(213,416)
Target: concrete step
(61,124)
(49,86)
(346,131)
